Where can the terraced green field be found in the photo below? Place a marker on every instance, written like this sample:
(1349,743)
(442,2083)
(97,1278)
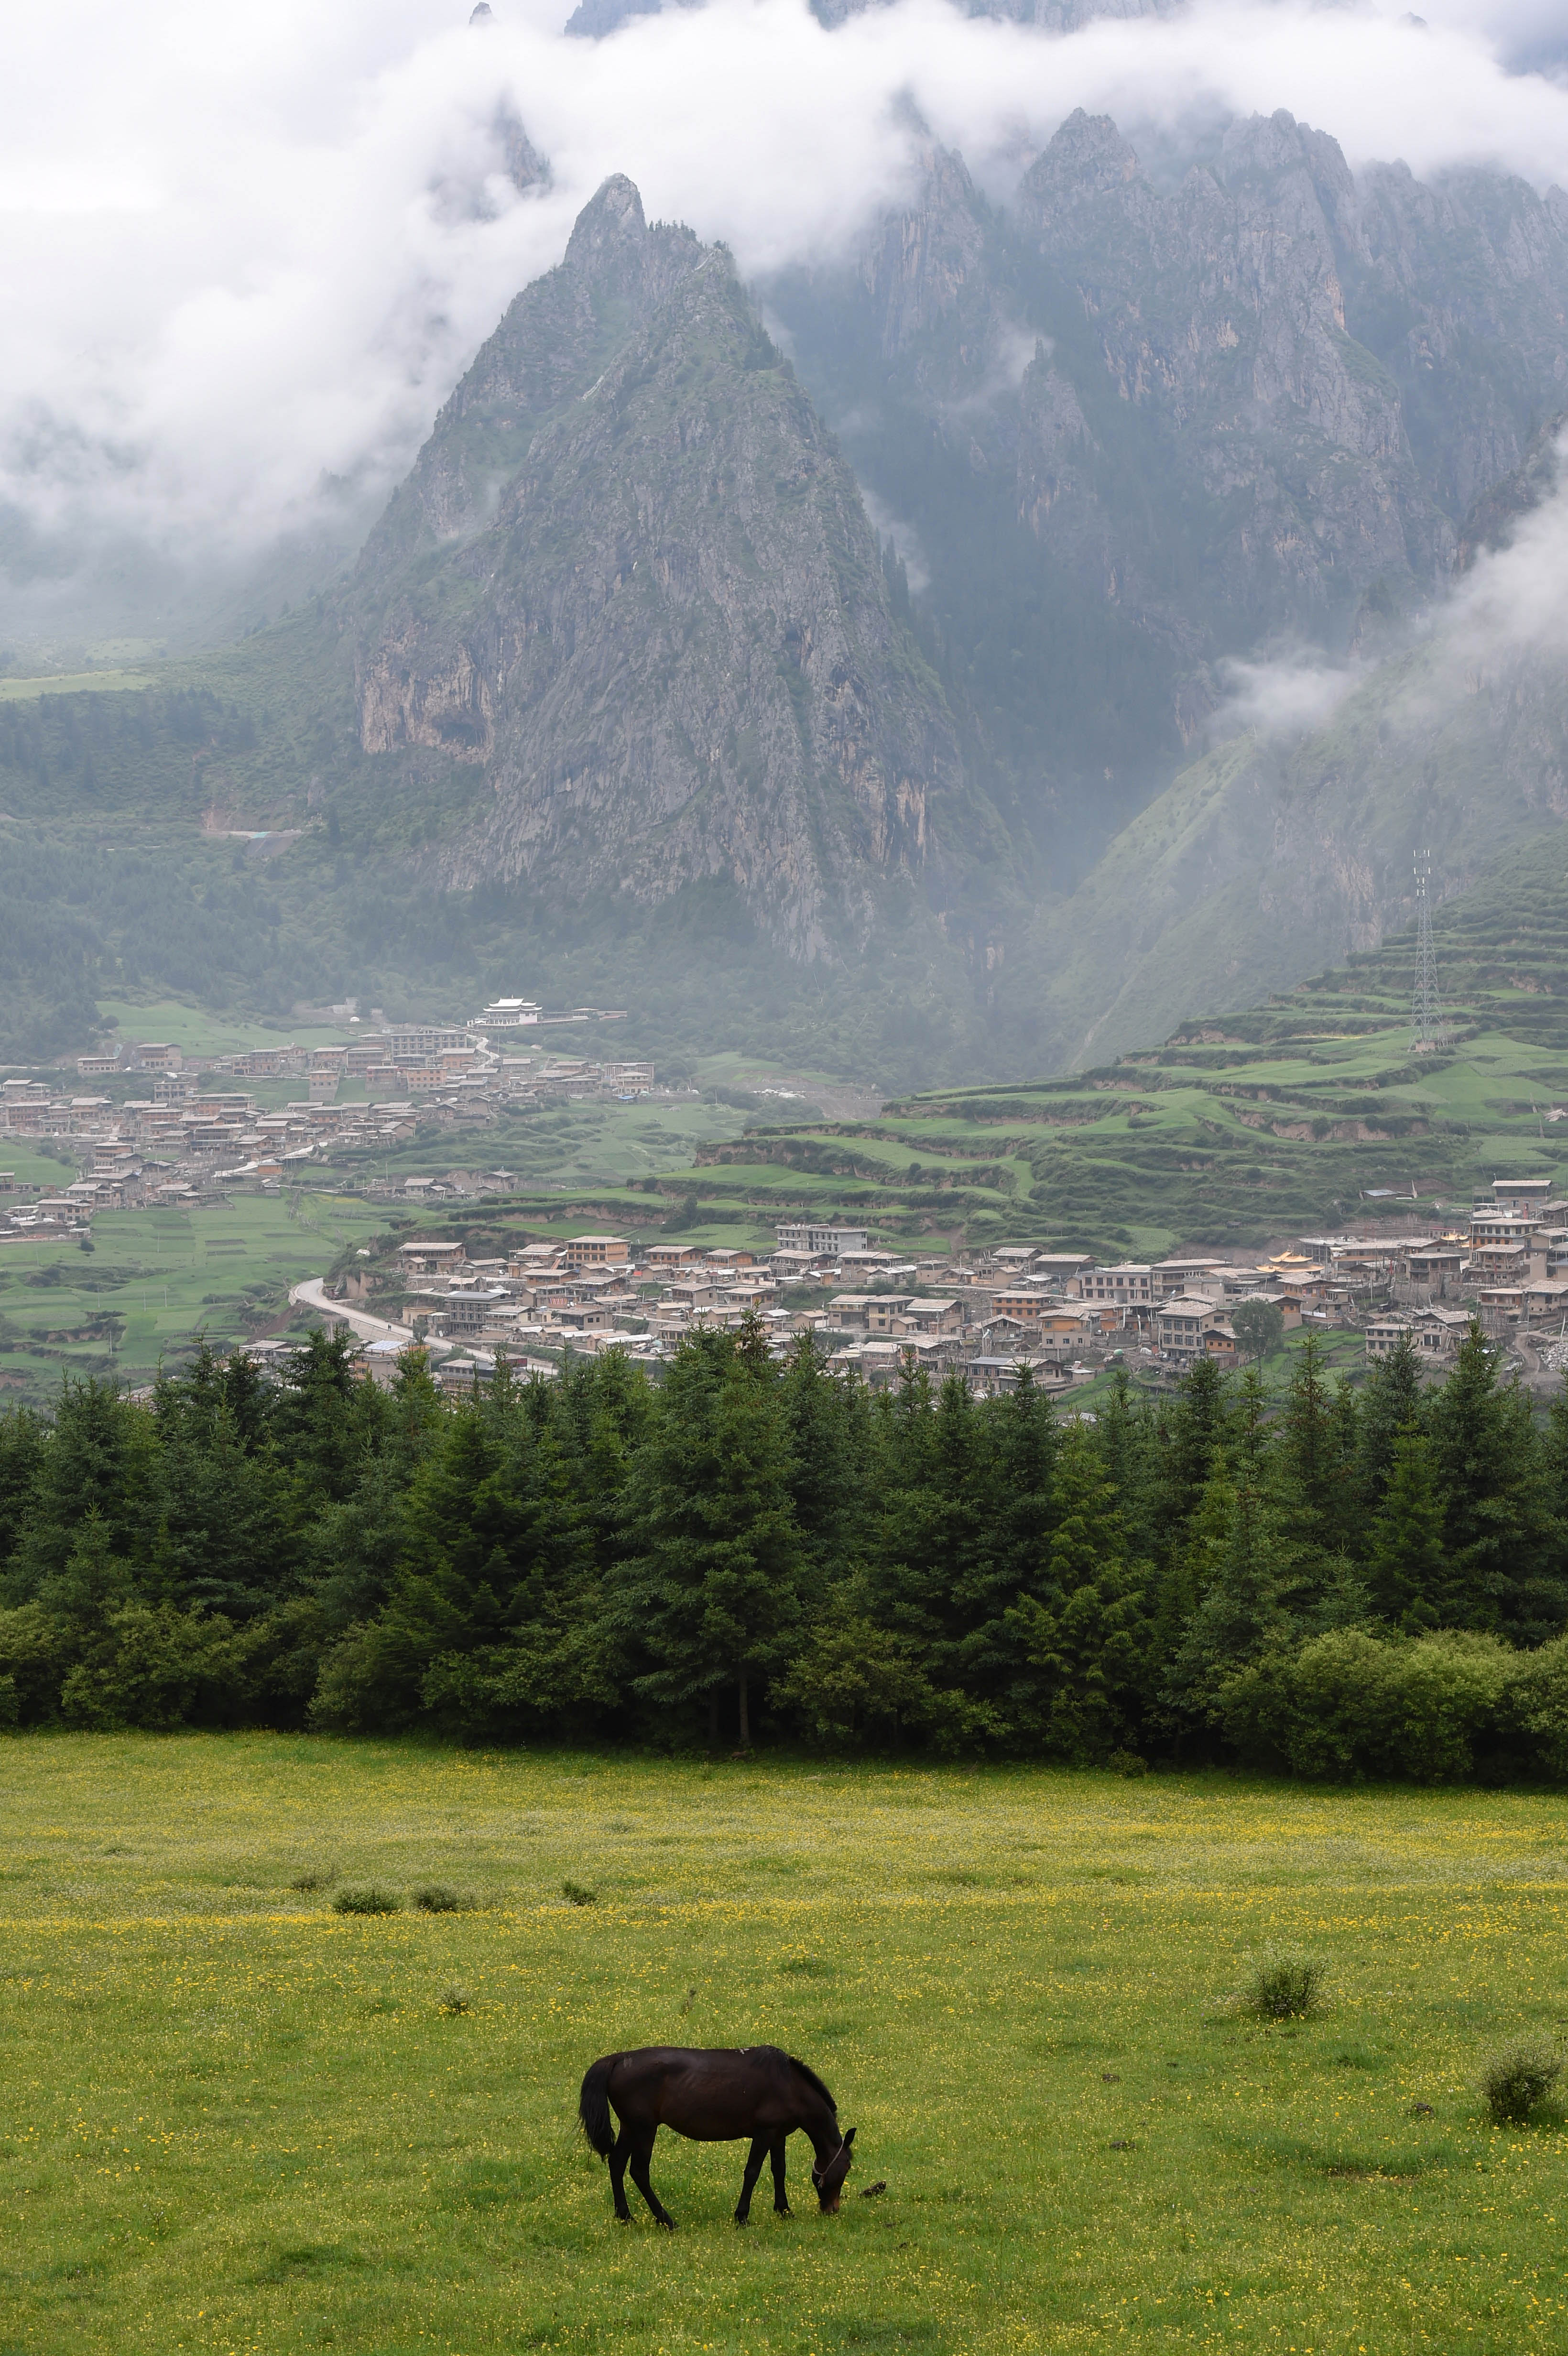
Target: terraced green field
(156,1280)
(233,2119)
(1307,1113)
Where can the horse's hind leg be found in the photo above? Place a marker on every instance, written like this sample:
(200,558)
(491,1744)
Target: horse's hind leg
(642,2152)
(754,2159)
(617,2156)
(781,2200)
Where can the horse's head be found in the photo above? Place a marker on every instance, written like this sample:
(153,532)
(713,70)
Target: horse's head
(830,2180)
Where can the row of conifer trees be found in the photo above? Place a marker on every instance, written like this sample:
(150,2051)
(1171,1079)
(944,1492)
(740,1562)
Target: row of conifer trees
(1366,1579)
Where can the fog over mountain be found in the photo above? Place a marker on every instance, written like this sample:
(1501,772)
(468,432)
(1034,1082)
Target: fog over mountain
(1014,518)
(247,258)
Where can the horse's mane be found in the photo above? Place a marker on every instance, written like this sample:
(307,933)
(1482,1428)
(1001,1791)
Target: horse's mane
(814,2082)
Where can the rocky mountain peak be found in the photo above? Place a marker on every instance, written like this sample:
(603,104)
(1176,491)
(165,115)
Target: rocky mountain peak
(1087,158)
(609,233)
(632,580)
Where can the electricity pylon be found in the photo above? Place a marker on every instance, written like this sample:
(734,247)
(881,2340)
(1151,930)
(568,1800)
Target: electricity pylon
(1425,1012)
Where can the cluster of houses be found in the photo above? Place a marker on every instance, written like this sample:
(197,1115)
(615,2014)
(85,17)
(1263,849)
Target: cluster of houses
(194,1133)
(1064,1314)
(399,1060)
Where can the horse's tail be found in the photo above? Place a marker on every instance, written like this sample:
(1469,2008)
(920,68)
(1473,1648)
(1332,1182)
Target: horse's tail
(594,2107)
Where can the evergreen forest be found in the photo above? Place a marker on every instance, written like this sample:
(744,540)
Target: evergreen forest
(1349,1582)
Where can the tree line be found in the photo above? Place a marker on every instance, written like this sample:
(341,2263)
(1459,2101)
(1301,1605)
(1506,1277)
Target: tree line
(1345,1581)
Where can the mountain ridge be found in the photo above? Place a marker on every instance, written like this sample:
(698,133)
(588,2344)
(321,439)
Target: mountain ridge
(632,578)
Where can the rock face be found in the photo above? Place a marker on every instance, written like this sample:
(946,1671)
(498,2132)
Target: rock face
(1265,863)
(1220,319)
(1127,427)
(630,616)
(631,579)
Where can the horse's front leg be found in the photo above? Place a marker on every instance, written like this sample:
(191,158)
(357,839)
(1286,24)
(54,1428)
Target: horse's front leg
(642,2152)
(755,2159)
(780,2200)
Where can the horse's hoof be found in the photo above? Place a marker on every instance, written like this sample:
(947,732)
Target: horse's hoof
(667,2224)
(742,2221)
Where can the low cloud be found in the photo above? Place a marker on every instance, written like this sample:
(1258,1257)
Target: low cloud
(1515,601)
(236,265)
(1283,696)
(903,537)
(1510,609)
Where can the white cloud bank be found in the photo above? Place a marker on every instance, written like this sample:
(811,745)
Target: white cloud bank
(226,274)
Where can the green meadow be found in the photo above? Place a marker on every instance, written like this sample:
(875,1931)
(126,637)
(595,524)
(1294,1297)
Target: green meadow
(157,1279)
(238,2120)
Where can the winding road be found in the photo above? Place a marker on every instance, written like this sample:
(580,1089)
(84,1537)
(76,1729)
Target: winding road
(312,1294)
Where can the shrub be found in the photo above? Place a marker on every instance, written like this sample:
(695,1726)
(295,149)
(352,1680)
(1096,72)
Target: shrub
(852,1682)
(1129,1763)
(1348,1702)
(455,1998)
(1517,2080)
(1286,1985)
(576,1895)
(315,1877)
(440,1898)
(367,1898)
(1537,1707)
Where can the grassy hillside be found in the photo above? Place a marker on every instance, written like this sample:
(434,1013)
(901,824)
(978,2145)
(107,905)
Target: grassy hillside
(1293,1115)
(1264,862)
(237,2119)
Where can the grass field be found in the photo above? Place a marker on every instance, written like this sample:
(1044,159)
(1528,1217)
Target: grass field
(238,2121)
(200,1031)
(76,682)
(157,1279)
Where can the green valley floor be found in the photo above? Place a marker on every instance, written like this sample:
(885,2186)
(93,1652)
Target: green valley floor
(238,2120)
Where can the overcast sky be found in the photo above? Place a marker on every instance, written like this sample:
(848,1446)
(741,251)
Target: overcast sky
(245,249)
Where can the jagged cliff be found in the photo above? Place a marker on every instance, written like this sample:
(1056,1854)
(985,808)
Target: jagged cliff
(1127,430)
(625,641)
(1269,860)
(632,579)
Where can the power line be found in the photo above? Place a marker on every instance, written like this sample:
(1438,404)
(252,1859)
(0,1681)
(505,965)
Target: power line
(1426,1012)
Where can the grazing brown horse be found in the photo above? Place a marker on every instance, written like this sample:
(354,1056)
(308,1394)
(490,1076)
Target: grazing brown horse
(713,2097)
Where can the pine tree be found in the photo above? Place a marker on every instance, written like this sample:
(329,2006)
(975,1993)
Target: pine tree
(1080,1642)
(1503,1551)
(1194,1436)
(102,1461)
(825,1421)
(1405,1569)
(930,1520)
(1392,1404)
(1315,1441)
(1248,1607)
(713,1596)
(23,1442)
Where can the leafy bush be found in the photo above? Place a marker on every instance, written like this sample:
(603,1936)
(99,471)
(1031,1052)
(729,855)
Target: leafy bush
(1536,1706)
(367,1898)
(440,1898)
(575,1894)
(1286,1985)
(455,1998)
(315,1877)
(1517,2080)
(1350,1702)
(853,1682)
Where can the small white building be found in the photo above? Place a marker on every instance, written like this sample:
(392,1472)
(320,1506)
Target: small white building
(508,1014)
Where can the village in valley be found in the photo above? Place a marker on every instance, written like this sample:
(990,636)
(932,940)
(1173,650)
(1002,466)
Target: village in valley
(458,1262)
(196,1131)
(876,1313)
